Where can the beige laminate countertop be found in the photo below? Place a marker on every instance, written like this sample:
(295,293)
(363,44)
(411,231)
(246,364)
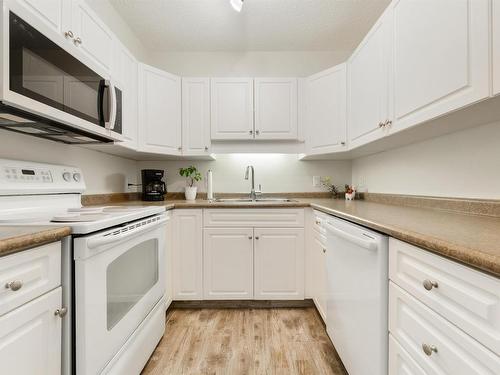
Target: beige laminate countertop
(14,238)
(470,239)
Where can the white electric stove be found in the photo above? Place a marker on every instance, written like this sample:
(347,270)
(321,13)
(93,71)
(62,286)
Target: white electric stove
(113,274)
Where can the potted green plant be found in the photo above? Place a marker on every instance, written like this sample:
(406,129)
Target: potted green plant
(191,174)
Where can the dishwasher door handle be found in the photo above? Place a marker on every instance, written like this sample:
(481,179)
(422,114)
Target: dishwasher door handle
(365,243)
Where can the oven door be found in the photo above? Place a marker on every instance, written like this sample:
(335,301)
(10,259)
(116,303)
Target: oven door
(119,277)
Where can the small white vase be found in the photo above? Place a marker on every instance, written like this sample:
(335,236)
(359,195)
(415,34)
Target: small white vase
(190,193)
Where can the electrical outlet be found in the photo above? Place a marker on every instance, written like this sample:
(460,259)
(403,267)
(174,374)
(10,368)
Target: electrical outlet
(316,181)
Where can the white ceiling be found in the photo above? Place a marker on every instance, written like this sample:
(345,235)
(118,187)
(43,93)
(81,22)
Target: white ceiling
(263,25)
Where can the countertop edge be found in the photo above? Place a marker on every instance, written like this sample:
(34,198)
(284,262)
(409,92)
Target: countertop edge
(28,241)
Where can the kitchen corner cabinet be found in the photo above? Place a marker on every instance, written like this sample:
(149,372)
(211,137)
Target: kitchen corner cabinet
(441,58)
(231,108)
(187,254)
(276,108)
(326,111)
(279,263)
(195,116)
(496,46)
(159,111)
(228,258)
(369,77)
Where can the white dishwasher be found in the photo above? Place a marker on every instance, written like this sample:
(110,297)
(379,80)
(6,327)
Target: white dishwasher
(357,263)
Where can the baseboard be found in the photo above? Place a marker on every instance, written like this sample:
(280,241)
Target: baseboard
(242,304)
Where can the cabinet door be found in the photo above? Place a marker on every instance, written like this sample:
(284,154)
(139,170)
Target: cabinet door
(369,75)
(279,263)
(187,255)
(195,116)
(232,108)
(320,280)
(91,35)
(496,46)
(30,337)
(125,76)
(159,111)
(275,108)
(48,12)
(441,57)
(400,362)
(326,111)
(169,246)
(227,263)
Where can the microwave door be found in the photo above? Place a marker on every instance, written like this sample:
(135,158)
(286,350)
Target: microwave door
(107,104)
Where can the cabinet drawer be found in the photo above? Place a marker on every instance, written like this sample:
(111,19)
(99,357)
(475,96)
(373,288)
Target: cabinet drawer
(254,217)
(318,222)
(466,297)
(400,362)
(36,271)
(414,325)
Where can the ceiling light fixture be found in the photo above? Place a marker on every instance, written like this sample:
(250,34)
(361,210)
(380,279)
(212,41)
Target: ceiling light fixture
(237,5)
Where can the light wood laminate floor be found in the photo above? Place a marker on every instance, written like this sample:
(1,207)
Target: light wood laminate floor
(244,341)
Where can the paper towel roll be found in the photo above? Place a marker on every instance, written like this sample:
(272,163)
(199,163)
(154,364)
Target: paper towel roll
(210,189)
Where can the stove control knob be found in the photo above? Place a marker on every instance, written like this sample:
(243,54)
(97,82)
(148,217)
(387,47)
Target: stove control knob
(67,176)
(77,177)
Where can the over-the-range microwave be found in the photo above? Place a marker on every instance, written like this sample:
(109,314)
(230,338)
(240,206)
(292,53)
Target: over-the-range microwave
(49,93)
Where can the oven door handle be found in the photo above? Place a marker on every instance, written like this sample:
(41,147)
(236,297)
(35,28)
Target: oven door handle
(110,125)
(106,239)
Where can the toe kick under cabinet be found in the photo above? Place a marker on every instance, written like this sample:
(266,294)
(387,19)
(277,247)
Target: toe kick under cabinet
(254,253)
(444,317)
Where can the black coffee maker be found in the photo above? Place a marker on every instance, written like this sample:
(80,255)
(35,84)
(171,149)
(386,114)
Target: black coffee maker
(153,188)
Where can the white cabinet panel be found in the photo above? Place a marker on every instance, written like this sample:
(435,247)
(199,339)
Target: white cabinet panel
(251,217)
(441,57)
(466,297)
(320,282)
(195,116)
(326,111)
(169,248)
(276,108)
(30,337)
(96,41)
(228,259)
(159,111)
(36,271)
(400,362)
(187,255)
(49,12)
(232,108)
(279,263)
(369,76)
(436,345)
(496,46)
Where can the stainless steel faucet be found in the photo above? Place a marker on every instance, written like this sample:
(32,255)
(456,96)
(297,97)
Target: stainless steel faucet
(253,196)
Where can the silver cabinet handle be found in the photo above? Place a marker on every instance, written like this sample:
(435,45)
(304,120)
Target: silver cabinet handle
(257,132)
(428,284)
(78,41)
(388,123)
(179,148)
(257,237)
(250,131)
(14,285)
(69,34)
(324,250)
(318,222)
(206,148)
(61,313)
(250,237)
(342,143)
(380,124)
(429,349)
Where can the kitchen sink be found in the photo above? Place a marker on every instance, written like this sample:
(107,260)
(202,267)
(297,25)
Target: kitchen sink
(248,200)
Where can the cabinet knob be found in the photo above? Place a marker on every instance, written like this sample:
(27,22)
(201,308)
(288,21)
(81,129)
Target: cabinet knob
(429,349)
(206,148)
(324,250)
(318,222)
(250,131)
(179,148)
(78,41)
(428,284)
(388,123)
(69,34)
(257,132)
(61,313)
(14,285)
(380,124)
(342,143)
(250,237)
(257,237)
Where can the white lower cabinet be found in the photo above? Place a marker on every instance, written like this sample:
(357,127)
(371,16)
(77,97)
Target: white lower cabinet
(318,253)
(228,263)
(187,254)
(30,337)
(279,263)
(400,362)
(169,246)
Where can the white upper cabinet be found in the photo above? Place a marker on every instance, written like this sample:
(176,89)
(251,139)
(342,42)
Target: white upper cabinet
(441,57)
(232,108)
(496,46)
(91,35)
(125,77)
(326,111)
(195,116)
(369,76)
(159,111)
(48,12)
(275,108)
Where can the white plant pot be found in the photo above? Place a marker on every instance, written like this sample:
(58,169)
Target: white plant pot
(190,193)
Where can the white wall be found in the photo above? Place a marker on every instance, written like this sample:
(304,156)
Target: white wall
(103,173)
(251,63)
(277,173)
(464,164)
